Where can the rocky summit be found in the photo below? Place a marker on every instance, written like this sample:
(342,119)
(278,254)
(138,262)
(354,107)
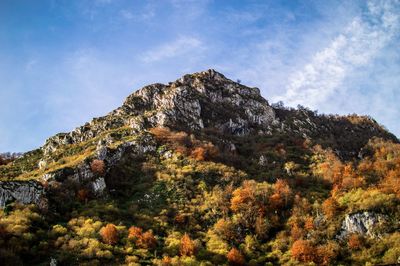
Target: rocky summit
(204,171)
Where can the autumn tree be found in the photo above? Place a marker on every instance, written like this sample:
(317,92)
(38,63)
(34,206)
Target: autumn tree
(97,166)
(303,251)
(282,194)
(187,247)
(225,229)
(135,232)
(327,253)
(251,201)
(391,182)
(309,223)
(235,257)
(142,240)
(330,207)
(166,261)
(354,241)
(180,218)
(243,196)
(178,141)
(199,154)
(327,165)
(161,133)
(147,240)
(109,234)
(296,231)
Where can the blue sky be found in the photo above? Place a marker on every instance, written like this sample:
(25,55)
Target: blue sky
(63,62)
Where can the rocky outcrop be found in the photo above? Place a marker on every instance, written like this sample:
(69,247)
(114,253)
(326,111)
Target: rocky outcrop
(196,101)
(25,192)
(82,175)
(363,223)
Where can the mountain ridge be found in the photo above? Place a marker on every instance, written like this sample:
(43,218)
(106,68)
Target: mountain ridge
(210,159)
(142,100)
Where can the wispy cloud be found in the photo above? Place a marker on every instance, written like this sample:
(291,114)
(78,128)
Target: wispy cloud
(360,42)
(142,13)
(178,47)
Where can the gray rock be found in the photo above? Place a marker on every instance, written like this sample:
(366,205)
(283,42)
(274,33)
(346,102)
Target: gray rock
(99,186)
(262,161)
(196,101)
(25,192)
(363,223)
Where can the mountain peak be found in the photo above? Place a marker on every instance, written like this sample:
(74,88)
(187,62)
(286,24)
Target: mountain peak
(207,100)
(199,100)
(173,151)
(193,102)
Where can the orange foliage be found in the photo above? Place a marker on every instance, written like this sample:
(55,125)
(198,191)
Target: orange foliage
(235,257)
(142,240)
(147,241)
(242,195)
(166,261)
(224,229)
(309,223)
(109,234)
(97,166)
(161,133)
(331,168)
(184,144)
(391,182)
(354,242)
(330,207)
(296,232)
(327,253)
(276,201)
(164,134)
(187,247)
(135,232)
(204,152)
(350,183)
(180,218)
(199,154)
(281,196)
(303,251)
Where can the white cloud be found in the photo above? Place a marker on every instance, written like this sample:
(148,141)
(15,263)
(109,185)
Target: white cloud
(357,46)
(126,14)
(181,46)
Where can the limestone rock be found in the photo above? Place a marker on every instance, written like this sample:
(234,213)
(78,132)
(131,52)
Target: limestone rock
(201,100)
(26,192)
(363,223)
(99,186)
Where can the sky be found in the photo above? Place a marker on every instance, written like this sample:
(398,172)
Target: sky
(63,62)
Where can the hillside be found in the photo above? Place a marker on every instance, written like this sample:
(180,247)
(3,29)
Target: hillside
(204,171)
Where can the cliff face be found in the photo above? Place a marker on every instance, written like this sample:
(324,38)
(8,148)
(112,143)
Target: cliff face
(362,223)
(30,192)
(194,102)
